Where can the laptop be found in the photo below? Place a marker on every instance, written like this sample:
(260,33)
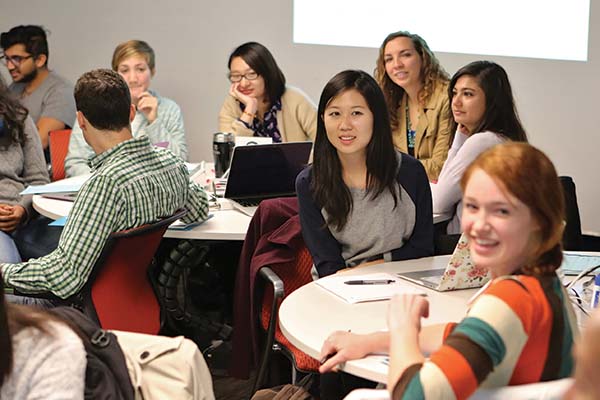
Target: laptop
(460,273)
(264,172)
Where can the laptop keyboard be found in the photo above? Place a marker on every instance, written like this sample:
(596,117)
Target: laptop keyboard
(249,202)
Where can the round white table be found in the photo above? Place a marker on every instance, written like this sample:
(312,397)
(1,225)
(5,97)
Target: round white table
(308,315)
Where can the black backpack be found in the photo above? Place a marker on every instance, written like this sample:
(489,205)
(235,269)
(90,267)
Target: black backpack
(106,375)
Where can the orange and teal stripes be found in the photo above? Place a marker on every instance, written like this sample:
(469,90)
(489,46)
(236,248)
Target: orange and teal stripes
(516,332)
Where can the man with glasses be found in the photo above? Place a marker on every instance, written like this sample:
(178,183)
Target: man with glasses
(47,96)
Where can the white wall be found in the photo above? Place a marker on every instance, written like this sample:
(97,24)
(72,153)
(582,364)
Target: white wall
(193,39)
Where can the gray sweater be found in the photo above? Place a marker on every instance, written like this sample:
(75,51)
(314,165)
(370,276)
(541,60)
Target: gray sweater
(22,165)
(46,366)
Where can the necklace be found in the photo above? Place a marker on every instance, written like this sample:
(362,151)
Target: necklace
(410,133)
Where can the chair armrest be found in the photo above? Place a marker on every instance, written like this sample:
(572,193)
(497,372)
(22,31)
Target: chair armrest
(271,277)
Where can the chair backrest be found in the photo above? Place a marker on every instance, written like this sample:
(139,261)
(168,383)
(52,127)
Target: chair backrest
(294,275)
(59,146)
(572,237)
(119,293)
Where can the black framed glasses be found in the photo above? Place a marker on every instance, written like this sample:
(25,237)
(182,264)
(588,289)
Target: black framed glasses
(15,60)
(235,78)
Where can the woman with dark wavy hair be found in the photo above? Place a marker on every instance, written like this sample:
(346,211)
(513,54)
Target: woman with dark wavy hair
(415,84)
(361,200)
(21,164)
(484,115)
(40,357)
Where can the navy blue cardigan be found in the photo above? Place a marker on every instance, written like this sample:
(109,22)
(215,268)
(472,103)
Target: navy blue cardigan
(326,250)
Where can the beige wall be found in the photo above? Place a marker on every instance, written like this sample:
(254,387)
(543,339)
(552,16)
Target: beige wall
(192,40)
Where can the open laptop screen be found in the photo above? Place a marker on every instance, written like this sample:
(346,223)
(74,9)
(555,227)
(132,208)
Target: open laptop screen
(267,170)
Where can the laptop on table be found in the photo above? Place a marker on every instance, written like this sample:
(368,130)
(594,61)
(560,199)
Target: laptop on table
(264,172)
(460,273)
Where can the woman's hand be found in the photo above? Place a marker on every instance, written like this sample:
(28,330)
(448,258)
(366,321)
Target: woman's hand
(250,103)
(342,346)
(11,217)
(148,105)
(405,312)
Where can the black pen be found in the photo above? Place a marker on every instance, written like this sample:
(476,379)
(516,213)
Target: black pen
(370,282)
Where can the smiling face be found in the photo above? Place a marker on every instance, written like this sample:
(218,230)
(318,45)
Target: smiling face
(402,63)
(136,72)
(349,123)
(499,226)
(254,88)
(468,102)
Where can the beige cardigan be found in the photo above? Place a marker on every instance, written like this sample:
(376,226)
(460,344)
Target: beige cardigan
(433,132)
(297,120)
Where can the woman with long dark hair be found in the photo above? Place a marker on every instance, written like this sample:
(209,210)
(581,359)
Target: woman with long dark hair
(40,357)
(414,84)
(361,200)
(259,102)
(21,164)
(484,115)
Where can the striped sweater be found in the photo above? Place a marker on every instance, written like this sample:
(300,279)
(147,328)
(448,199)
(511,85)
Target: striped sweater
(518,331)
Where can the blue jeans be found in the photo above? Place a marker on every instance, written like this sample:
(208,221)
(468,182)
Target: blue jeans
(8,249)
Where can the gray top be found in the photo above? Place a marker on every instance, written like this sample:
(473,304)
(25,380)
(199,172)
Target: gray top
(47,366)
(446,193)
(374,228)
(22,165)
(52,99)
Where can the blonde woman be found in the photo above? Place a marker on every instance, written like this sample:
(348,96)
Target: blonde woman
(157,117)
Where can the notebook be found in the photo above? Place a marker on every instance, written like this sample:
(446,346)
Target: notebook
(460,273)
(264,172)
(368,287)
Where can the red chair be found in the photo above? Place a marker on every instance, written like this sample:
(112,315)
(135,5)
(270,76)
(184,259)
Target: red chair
(119,294)
(59,146)
(284,279)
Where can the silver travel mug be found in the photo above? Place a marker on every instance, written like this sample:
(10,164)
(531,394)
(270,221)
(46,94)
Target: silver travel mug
(223,144)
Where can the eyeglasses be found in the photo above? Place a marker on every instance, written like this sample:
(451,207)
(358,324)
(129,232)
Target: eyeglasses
(235,78)
(15,60)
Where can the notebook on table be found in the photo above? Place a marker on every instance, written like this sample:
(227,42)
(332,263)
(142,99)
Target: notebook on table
(264,172)
(460,273)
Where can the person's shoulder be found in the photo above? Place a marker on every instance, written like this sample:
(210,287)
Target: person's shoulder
(56,334)
(305,174)
(294,94)
(408,162)
(56,81)
(486,137)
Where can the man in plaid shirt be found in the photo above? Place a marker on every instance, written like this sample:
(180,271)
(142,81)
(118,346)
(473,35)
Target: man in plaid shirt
(133,183)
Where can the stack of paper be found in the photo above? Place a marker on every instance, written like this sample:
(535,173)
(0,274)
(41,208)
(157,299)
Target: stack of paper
(369,287)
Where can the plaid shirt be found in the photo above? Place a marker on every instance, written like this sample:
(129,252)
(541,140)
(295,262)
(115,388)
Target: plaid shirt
(133,184)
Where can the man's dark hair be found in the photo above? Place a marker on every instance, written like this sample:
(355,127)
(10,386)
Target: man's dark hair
(33,37)
(103,98)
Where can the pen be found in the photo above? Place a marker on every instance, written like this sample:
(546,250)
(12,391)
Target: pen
(370,282)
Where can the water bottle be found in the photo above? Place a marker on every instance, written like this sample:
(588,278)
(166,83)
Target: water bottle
(223,144)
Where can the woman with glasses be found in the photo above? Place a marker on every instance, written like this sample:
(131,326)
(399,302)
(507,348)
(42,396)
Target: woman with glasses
(415,86)
(21,164)
(259,102)
(157,117)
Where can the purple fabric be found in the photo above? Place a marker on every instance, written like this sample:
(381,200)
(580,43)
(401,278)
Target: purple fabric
(272,238)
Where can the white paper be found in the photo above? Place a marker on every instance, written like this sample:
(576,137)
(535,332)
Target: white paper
(362,293)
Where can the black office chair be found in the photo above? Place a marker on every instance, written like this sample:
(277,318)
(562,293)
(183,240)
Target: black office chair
(573,239)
